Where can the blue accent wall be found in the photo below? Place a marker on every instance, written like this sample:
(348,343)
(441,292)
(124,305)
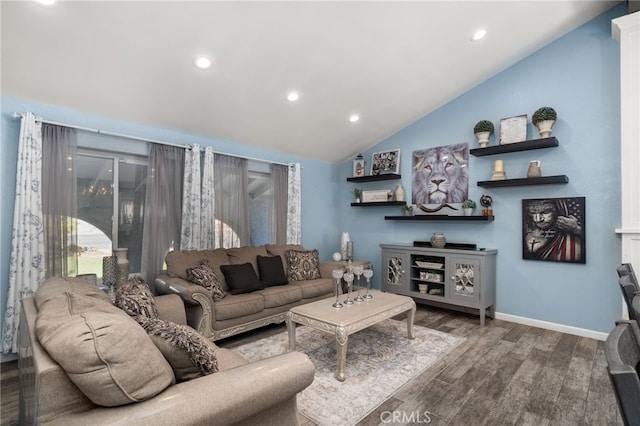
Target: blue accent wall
(578,75)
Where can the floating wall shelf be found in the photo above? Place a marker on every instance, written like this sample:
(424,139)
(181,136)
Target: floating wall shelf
(515,147)
(379,204)
(374,178)
(424,217)
(545,180)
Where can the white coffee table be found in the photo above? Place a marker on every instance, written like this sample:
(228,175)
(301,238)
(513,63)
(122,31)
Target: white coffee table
(344,321)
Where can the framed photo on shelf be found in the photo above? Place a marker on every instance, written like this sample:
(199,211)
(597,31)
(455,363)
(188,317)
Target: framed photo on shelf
(359,166)
(513,129)
(386,162)
(553,229)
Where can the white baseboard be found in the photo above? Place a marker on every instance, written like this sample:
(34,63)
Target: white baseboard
(582,332)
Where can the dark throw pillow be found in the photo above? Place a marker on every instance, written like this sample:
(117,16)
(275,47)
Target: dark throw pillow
(271,270)
(135,299)
(189,353)
(241,278)
(303,265)
(204,275)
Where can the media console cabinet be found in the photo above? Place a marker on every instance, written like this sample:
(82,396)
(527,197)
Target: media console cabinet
(450,278)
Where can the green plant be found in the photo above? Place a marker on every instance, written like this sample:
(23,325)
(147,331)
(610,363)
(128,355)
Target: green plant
(357,192)
(483,126)
(407,207)
(469,204)
(543,113)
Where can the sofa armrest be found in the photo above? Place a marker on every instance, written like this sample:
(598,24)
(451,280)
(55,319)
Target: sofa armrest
(224,398)
(199,307)
(171,308)
(326,269)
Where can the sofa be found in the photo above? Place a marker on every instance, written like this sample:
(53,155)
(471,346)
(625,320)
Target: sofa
(83,361)
(306,280)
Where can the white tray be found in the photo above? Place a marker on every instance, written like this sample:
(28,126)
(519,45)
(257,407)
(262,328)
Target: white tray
(431,265)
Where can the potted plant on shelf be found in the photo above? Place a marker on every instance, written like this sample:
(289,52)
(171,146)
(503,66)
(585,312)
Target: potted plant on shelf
(483,130)
(543,118)
(407,210)
(468,206)
(358,194)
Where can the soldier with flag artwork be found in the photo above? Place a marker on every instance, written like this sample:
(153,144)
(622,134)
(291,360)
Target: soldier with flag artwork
(553,229)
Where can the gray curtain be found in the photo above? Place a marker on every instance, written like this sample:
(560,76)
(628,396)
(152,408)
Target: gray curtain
(59,199)
(163,207)
(279,183)
(231,180)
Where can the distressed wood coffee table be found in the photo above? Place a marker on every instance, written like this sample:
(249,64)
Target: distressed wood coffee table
(349,319)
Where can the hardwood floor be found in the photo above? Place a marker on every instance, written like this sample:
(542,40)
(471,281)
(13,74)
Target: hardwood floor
(503,374)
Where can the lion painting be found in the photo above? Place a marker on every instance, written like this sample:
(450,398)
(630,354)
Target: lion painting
(441,174)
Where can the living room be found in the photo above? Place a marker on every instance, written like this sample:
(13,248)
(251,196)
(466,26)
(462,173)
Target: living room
(578,75)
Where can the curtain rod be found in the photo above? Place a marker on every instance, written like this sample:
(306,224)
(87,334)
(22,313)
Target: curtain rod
(136,138)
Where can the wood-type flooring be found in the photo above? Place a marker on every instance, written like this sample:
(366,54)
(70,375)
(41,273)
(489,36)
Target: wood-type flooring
(503,374)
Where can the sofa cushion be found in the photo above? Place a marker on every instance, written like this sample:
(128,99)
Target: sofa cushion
(189,353)
(58,285)
(135,299)
(315,288)
(104,352)
(179,261)
(235,306)
(281,250)
(238,255)
(280,295)
(204,275)
(241,278)
(271,270)
(303,265)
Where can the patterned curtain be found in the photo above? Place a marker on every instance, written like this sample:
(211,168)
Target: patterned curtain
(294,206)
(26,265)
(208,203)
(190,229)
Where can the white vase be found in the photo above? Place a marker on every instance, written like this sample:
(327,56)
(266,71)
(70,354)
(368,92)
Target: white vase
(544,127)
(343,244)
(122,265)
(483,138)
(399,193)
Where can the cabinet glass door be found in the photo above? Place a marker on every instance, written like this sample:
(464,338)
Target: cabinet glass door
(465,278)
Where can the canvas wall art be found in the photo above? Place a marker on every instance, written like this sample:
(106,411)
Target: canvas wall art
(440,175)
(554,229)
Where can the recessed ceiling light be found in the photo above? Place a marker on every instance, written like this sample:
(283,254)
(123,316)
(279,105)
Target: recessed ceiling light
(46,2)
(293,96)
(203,62)
(354,117)
(479,34)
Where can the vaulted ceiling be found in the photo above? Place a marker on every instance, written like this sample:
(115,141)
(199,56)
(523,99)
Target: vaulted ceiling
(390,62)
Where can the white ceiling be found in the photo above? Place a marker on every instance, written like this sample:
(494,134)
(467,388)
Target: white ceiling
(391,62)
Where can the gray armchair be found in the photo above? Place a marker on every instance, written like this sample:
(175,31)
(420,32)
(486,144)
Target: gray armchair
(622,351)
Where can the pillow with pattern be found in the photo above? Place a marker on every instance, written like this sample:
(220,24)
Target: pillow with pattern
(204,275)
(190,354)
(135,299)
(303,265)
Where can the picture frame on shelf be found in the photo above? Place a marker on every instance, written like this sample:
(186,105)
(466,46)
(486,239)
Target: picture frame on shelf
(385,162)
(513,129)
(359,166)
(553,229)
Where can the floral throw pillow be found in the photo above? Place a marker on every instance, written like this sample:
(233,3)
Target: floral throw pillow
(303,265)
(204,275)
(135,299)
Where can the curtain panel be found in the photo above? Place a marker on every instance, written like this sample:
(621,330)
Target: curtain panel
(294,206)
(231,201)
(27,262)
(163,207)
(191,204)
(60,199)
(280,185)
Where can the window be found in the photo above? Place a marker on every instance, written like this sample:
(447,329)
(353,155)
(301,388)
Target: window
(111,196)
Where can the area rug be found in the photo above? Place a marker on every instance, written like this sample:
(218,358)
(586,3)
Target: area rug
(380,360)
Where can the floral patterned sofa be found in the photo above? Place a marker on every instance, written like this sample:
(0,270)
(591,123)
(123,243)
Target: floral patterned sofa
(229,291)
